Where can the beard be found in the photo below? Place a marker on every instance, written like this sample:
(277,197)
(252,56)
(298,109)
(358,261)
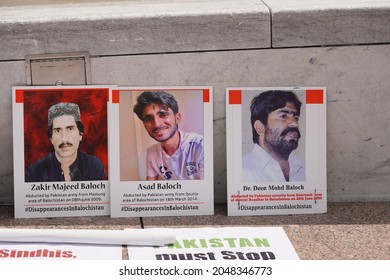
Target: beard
(280,146)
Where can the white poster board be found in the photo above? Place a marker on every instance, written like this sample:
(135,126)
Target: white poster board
(276,150)
(55,251)
(227,243)
(147,178)
(58,172)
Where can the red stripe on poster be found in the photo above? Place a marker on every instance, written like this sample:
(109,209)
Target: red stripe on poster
(314,96)
(206,96)
(115,96)
(19,96)
(235,97)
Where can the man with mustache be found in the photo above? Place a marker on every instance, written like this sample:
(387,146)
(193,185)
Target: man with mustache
(275,132)
(67,162)
(177,155)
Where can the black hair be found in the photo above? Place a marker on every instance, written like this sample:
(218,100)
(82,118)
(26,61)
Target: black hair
(160,97)
(266,102)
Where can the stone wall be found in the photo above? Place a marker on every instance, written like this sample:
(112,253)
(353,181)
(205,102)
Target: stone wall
(342,46)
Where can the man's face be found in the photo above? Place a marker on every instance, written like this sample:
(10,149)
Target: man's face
(66,137)
(160,122)
(282,133)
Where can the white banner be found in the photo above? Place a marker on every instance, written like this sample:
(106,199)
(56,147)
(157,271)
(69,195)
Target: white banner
(227,243)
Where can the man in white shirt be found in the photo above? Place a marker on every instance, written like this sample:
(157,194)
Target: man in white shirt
(275,133)
(177,155)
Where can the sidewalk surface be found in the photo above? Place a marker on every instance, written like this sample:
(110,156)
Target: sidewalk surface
(348,231)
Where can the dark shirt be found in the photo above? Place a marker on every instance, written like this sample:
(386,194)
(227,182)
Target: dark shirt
(48,169)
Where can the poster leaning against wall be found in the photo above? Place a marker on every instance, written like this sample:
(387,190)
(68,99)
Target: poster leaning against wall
(61,151)
(161,151)
(276,150)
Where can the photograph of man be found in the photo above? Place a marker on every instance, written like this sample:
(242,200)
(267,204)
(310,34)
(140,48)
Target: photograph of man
(275,133)
(67,162)
(178,155)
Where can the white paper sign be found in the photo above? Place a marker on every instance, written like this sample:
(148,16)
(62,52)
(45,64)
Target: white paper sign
(60,151)
(86,236)
(228,243)
(41,251)
(161,151)
(276,150)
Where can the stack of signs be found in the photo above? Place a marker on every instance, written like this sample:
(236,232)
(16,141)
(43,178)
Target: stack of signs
(276,150)
(232,243)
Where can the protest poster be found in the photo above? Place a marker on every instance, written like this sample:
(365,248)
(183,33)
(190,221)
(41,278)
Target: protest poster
(60,151)
(56,251)
(161,151)
(226,243)
(276,150)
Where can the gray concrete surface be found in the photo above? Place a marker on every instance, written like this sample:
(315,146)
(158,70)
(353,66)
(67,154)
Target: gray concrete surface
(301,23)
(225,43)
(356,79)
(349,231)
(132,27)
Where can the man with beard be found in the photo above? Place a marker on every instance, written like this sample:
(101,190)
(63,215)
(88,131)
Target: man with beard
(274,119)
(66,162)
(177,155)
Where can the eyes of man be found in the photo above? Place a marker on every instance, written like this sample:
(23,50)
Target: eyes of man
(285,114)
(160,114)
(69,129)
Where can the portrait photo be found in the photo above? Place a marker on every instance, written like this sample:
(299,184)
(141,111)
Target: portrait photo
(273,135)
(161,134)
(65,134)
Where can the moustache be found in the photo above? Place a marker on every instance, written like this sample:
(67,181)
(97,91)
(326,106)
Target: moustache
(63,144)
(291,129)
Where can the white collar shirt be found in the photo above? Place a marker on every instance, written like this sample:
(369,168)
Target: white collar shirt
(259,166)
